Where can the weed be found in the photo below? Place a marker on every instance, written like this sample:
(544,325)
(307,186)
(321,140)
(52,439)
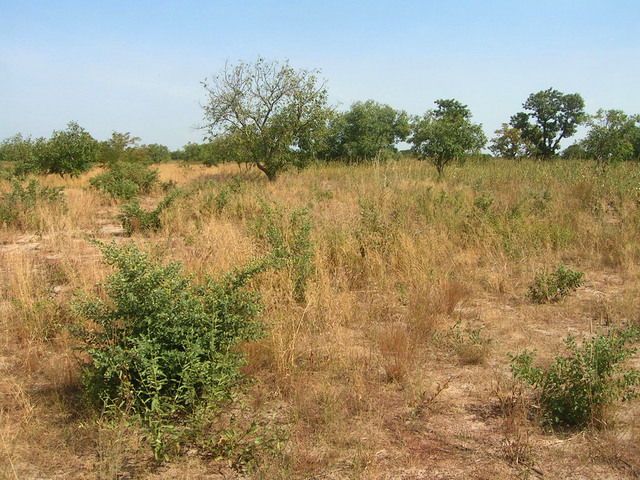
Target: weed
(576,389)
(554,286)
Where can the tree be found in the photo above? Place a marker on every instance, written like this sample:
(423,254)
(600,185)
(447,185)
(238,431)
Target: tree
(367,130)
(446,133)
(158,153)
(611,136)
(266,108)
(576,152)
(71,151)
(16,149)
(122,147)
(556,115)
(22,152)
(509,143)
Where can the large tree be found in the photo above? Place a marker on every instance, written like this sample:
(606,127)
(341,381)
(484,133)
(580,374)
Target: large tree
(555,116)
(266,107)
(446,133)
(611,135)
(367,130)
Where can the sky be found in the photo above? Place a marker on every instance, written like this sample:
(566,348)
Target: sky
(137,66)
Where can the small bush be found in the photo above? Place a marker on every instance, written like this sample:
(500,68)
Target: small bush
(554,286)
(290,240)
(577,388)
(163,345)
(125,181)
(217,202)
(135,219)
(18,208)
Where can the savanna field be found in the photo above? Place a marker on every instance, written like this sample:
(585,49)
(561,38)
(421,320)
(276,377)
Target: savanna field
(389,306)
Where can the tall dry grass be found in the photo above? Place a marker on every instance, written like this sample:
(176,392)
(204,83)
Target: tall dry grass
(406,269)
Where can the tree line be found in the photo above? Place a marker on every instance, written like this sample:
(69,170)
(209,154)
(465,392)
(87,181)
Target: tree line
(268,114)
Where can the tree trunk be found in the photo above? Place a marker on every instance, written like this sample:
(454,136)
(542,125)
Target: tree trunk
(270,173)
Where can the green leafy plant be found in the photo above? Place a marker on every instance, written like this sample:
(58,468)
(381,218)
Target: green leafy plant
(163,346)
(135,219)
(125,180)
(217,202)
(577,388)
(554,286)
(289,237)
(19,207)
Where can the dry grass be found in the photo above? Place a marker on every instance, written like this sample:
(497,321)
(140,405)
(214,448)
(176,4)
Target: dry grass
(417,285)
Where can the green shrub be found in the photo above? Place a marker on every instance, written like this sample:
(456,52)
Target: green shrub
(125,180)
(554,286)
(134,219)
(18,208)
(289,237)
(577,388)
(163,346)
(217,202)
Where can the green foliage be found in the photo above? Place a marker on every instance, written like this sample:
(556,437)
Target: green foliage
(135,219)
(366,131)
(509,143)
(195,153)
(289,237)
(163,346)
(72,151)
(125,180)
(158,153)
(19,207)
(265,109)
(224,149)
(557,116)
(446,133)
(576,151)
(554,286)
(577,388)
(610,137)
(19,150)
(217,202)
(123,148)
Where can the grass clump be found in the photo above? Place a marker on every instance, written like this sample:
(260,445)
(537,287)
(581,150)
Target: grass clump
(125,181)
(163,346)
(19,207)
(577,388)
(554,286)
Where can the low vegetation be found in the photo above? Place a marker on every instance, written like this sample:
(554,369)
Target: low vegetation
(554,286)
(578,389)
(344,321)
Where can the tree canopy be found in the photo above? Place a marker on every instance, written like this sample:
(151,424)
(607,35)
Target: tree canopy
(446,133)
(266,108)
(367,130)
(555,115)
(71,151)
(611,135)
(508,143)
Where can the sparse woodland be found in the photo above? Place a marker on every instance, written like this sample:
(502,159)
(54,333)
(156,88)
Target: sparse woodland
(343,310)
(386,323)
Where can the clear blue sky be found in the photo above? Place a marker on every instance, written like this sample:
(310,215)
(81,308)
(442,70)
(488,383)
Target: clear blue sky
(136,66)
